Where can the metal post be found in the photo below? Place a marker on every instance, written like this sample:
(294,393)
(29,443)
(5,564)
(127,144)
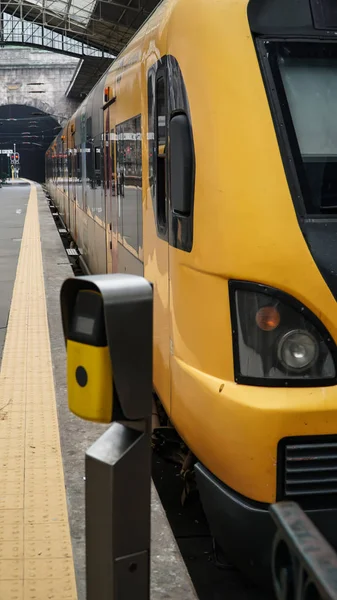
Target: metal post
(118,465)
(118,501)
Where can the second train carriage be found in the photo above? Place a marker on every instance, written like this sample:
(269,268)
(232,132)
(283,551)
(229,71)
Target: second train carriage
(206,159)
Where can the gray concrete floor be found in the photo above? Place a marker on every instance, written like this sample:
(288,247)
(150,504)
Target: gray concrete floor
(169,577)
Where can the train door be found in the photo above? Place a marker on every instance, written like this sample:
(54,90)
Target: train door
(156,248)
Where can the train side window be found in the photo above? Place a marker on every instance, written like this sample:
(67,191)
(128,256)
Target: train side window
(74,166)
(69,163)
(97,166)
(120,179)
(161,118)
(106,152)
(113,162)
(139,183)
(78,163)
(150,126)
(129,184)
(89,154)
(97,159)
(171,154)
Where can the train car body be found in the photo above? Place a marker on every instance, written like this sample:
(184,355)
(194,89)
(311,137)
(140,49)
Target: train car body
(205,159)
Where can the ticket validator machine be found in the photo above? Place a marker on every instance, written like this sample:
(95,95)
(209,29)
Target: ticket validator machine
(108,323)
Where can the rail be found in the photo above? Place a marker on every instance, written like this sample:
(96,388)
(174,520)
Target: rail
(304,565)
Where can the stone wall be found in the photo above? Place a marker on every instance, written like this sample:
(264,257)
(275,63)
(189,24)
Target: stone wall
(37,78)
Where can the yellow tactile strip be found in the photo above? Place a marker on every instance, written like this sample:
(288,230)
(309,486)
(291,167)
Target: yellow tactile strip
(36,560)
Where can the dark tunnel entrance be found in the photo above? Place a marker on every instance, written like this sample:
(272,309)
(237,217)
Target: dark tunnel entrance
(32,130)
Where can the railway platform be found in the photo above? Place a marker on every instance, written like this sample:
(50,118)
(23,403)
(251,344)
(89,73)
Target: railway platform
(42,445)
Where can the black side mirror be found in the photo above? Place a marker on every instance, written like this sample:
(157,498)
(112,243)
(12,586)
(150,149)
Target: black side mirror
(181,160)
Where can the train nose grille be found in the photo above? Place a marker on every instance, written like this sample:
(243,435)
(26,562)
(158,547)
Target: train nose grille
(309,470)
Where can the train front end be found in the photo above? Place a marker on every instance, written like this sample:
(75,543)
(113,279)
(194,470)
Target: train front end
(273,431)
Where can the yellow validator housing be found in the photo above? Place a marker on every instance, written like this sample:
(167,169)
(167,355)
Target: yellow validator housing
(89,370)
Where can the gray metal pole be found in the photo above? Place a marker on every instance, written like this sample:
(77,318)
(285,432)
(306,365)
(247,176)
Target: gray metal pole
(118,512)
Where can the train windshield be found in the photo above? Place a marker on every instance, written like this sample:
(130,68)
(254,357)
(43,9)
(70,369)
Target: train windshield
(306,80)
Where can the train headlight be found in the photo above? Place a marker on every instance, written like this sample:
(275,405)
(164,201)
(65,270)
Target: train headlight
(298,350)
(278,341)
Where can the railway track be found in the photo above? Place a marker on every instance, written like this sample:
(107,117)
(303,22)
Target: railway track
(67,240)
(213,577)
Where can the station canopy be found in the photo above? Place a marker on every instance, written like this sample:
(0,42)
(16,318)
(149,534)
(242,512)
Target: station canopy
(94,30)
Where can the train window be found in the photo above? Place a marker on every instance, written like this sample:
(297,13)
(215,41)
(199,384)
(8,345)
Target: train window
(129,205)
(150,135)
(120,179)
(129,184)
(106,152)
(59,164)
(79,196)
(110,197)
(168,108)
(78,163)
(74,167)
(157,142)
(306,82)
(113,161)
(69,163)
(99,174)
(65,164)
(89,162)
(97,159)
(139,182)
(161,116)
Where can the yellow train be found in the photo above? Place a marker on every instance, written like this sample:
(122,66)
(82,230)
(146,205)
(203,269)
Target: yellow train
(206,159)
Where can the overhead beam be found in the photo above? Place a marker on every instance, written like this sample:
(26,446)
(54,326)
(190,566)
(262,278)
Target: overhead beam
(124,6)
(108,35)
(103,39)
